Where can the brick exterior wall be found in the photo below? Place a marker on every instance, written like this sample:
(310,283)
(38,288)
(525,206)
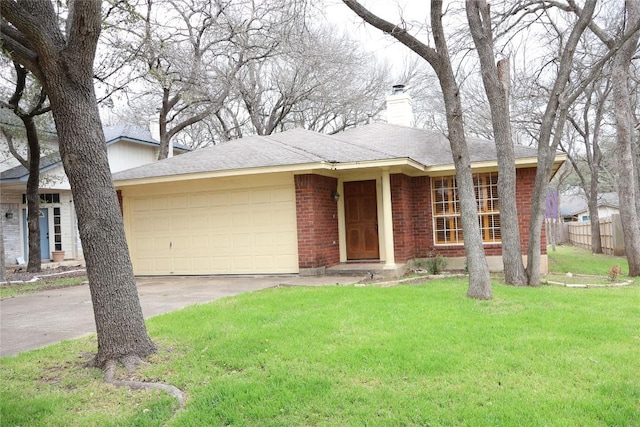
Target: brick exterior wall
(422,219)
(525,181)
(317,219)
(411,198)
(402,211)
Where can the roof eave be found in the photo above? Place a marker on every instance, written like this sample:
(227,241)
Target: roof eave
(295,168)
(486,165)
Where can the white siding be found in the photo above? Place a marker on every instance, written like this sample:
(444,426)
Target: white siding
(126,155)
(122,155)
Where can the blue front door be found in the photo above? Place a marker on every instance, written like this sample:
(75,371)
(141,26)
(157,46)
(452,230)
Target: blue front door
(44,234)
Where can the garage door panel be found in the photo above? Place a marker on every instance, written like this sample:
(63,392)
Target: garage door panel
(261,197)
(221,264)
(142,224)
(182,266)
(179,223)
(242,264)
(198,221)
(220,220)
(264,261)
(220,242)
(262,219)
(263,240)
(241,241)
(236,231)
(201,265)
(200,242)
(178,202)
(240,198)
(160,203)
(161,223)
(283,239)
(241,218)
(219,199)
(199,200)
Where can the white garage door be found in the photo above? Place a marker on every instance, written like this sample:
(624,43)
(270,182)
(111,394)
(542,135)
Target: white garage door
(223,231)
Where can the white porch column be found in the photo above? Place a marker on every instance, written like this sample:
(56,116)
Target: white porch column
(387,222)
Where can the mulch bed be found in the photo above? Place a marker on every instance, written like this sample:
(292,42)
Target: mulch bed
(62,272)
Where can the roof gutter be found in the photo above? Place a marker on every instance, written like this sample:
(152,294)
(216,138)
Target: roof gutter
(297,168)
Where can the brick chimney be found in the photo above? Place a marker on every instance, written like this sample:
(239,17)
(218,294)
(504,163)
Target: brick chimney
(400,107)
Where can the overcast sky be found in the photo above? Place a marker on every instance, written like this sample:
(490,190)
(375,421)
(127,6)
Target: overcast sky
(374,40)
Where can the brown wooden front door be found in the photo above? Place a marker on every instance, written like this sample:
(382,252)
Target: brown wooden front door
(361,220)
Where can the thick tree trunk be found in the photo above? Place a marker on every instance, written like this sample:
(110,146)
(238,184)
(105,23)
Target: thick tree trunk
(594,156)
(496,83)
(118,315)
(543,173)
(625,143)
(438,58)
(3,268)
(479,277)
(64,65)
(594,215)
(163,153)
(33,198)
(551,128)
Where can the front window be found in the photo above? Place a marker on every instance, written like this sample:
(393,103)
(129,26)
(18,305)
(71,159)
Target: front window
(446,208)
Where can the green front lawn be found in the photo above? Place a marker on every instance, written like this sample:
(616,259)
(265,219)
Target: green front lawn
(569,259)
(336,356)
(18,288)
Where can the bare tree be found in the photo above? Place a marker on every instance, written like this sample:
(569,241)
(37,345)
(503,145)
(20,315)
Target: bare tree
(62,60)
(438,57)
(188,55)
(620,75)
(548,129)
(496,82)
(3,267)
(308,82)
(588,125)
(620,46)
(32,162)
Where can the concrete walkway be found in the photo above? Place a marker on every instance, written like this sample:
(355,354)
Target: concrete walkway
(36,320)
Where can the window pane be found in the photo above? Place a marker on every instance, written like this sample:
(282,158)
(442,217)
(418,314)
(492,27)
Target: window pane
(446,208)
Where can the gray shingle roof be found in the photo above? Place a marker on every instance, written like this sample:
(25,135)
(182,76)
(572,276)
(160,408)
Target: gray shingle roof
(134,133)
(18,172)
(296,147)
(572,204)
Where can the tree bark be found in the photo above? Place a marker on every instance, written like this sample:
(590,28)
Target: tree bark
(551,128)
(625,137)
(33,198)
(31,163)
(438,58)
(496,83)
(3,267)
(64,65)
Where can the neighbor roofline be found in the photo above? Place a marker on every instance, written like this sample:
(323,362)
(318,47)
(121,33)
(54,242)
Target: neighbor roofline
(25,177)
(142,142)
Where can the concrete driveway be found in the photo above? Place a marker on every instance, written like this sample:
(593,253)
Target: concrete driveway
(36,320)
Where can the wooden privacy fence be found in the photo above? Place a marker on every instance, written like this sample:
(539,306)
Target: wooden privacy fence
(610,235)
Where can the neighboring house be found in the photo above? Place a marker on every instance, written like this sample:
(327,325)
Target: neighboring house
(127,146)
(300,202)
(573,207)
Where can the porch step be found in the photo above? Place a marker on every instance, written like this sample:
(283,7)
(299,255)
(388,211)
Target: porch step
(364,270)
